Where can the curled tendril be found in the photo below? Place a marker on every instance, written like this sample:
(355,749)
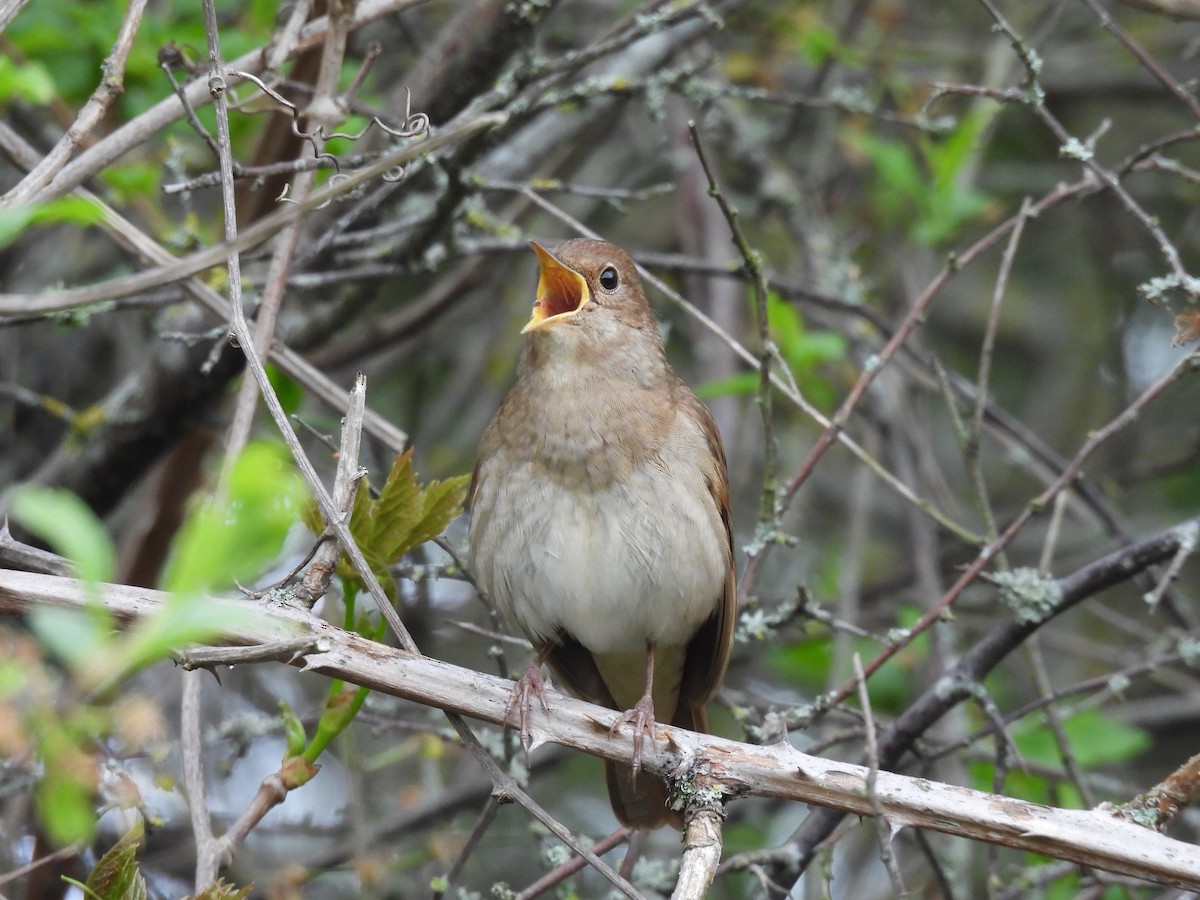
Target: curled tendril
(313,138)
(413,125)
(333,179)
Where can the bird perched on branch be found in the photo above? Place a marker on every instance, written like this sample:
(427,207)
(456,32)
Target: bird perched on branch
(600,517)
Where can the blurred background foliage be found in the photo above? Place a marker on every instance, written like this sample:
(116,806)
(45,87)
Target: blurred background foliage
(859,173)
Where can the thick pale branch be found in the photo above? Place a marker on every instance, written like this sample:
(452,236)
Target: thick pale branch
(1092,838)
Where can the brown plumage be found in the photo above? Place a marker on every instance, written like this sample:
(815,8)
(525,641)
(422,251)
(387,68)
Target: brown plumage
(600,513)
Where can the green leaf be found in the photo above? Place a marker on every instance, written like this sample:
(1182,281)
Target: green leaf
(805,351)
(310,515)
(443,501)
(947,155)
(219,890)
(65,811)
(72,635)
(116,875)
(75,210)
(184,619)
(803,662)
(898,176)
(943,217)
(64,792)
(407,515)
(293,730)
(360,513)
(817,43)
(287,389)
(404,516)
(67,524)
(131,180)
(917,187)
(784,320)
(1097,739)
(28,81)
(397,511)
(341,706)
(735,385)
(233,538)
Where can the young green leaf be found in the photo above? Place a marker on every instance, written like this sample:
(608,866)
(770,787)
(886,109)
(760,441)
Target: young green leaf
(397,511)
(234,538)
(115,875)
(64,522)
(735,385)
(1096,739)
(75,210)
(404,516)
(72,635)
(184,619)
(64,791)
(219,890)
(443,501)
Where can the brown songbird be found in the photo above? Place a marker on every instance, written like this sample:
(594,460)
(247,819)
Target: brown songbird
(600,514)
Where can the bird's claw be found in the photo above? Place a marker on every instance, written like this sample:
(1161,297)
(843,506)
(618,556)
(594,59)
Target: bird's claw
(528,686)
(641,717)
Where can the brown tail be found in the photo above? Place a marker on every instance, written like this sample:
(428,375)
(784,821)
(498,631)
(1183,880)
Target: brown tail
(642,802)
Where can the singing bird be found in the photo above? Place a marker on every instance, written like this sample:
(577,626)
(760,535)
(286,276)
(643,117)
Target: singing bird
(600,518)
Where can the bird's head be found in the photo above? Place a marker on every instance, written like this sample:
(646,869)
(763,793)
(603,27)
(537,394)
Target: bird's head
(592,286)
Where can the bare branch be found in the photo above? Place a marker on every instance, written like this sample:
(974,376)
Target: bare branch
(1087,837)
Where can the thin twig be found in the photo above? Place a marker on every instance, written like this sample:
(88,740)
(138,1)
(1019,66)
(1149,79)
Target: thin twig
(1033,97)
(1189,538)
(15,554)
(345,488)
(483,822)
(1066,753)
(974,437)
(1151,65)
(63,853)
(1073,471)
(768,511)
(278,651)
(1161,804)
(325,112)
(883,828)
(561,872)
(168,58)
(248,238)
(208,856)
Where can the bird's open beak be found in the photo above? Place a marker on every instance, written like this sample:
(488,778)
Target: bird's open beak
(561,292)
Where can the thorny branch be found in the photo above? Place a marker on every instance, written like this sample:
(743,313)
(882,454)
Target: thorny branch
(478,184)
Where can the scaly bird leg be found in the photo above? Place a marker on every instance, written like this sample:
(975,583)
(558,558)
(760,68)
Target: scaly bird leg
(641,716)
(528,686)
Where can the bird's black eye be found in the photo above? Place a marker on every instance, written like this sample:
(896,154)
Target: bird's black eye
(609,279)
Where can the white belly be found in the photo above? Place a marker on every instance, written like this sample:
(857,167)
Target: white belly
(615,567)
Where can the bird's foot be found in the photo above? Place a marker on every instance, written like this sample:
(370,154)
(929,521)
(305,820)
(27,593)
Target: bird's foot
(528,687)
(641,717)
